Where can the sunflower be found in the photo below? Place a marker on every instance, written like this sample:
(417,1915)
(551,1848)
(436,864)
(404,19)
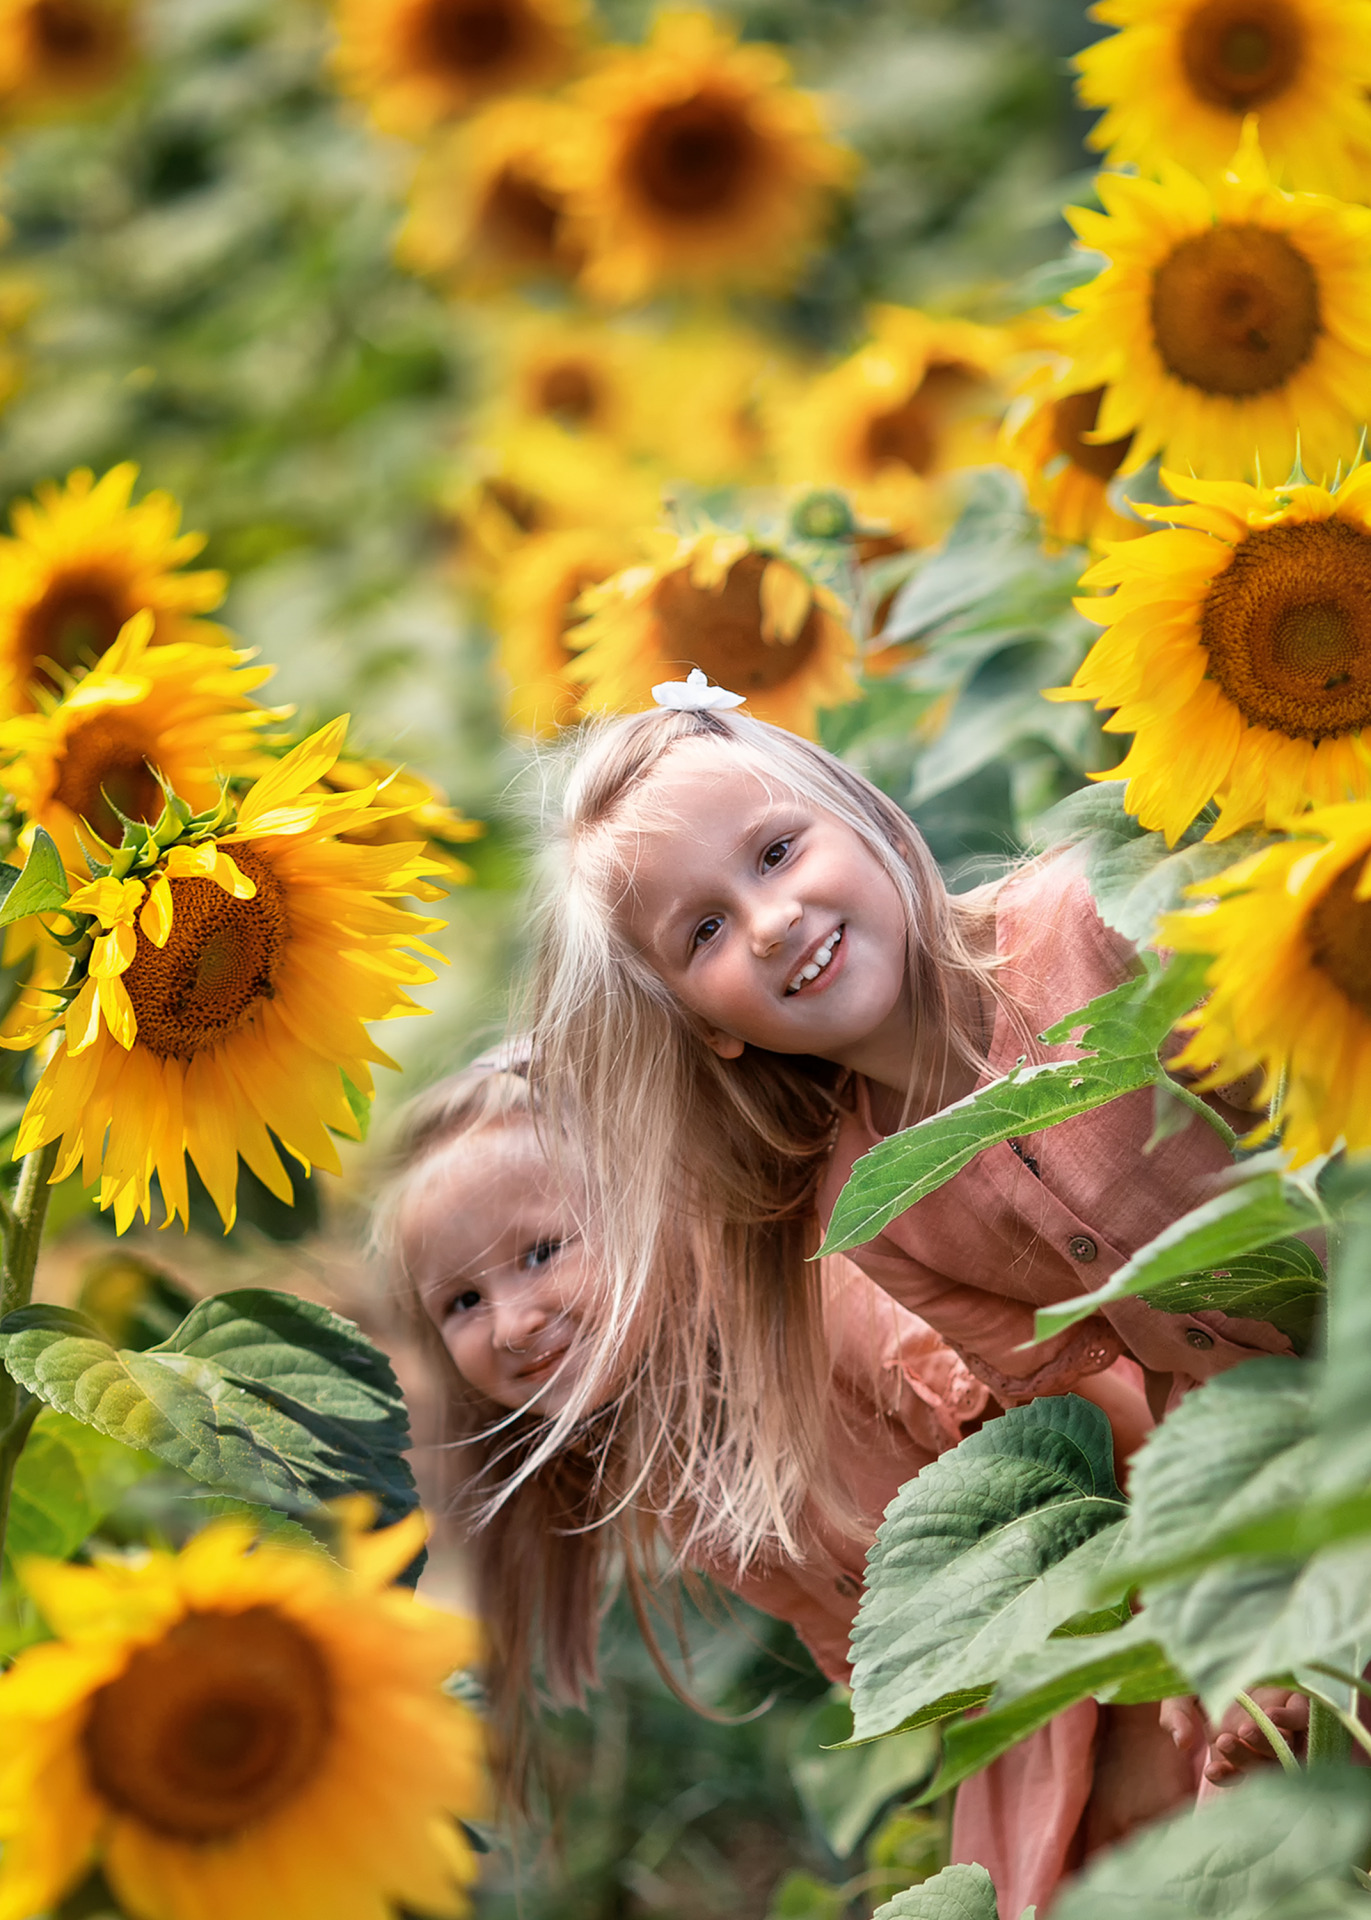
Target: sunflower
(711,395)
(410,808)
(241,1728)
(695,161)
(83,561)
(54,51)
(194,1021)
(1237,651)
(486,209)
(1067,474)
(747,617)
(577,374)
(1290,986)
(183,711)
(420,62)
(535,611)
(918,400)
(1180,76)
(1233,328)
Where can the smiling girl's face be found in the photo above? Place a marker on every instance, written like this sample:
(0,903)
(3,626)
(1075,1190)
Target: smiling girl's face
(495,1255)
(770,920)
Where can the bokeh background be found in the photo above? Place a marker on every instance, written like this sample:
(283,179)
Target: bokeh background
(200,275)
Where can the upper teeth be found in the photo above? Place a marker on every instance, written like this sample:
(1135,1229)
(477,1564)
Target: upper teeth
(815,967)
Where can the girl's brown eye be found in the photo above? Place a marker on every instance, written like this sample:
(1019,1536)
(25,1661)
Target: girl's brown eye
(775,853)
(706,930)
(464,1302)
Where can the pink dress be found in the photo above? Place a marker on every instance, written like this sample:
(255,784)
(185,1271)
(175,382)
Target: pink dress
(1018,1230)
(901,1397)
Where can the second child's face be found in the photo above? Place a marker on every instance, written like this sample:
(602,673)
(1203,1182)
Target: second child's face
(769,919)
(494,1251)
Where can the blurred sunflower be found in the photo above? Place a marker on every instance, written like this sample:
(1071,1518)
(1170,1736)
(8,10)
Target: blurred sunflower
(83,561)
(535,611)
(1067,474)
(241,1728)
(1237,651)
(54,51)
(1233,327)
(412,809)
(578,374)
(748,618)
(485,209)
(184,710)
(710,396)
(1290,986)
(420,62)
(695,161)
(194,1023)
(1179,77)
(919,400)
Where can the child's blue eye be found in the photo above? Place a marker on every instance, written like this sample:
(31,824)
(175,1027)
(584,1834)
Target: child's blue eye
(539,1255)
(706,930)
(775,853)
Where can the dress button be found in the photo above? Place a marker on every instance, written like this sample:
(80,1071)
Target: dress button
(1081,1247)
(847,1586)
(1197,1338)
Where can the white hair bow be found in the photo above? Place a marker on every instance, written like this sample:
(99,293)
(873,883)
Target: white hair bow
(695,695)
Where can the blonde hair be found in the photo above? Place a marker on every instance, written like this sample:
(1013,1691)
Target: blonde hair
(702,1174)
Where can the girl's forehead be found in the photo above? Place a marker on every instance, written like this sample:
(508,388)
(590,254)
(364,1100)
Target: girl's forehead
(668,794)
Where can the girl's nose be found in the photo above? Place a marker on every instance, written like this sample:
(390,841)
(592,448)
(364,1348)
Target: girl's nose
(771,922)
(519,1325)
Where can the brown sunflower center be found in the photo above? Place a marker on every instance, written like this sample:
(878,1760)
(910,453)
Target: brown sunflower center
(521,220)
(568,391)
(1339,934)
(65,33)
(1287,627)
(104,762)
(1235,310)
(214,1727)
(1238,54)
(722,631)
(1073,416)
(74,622)
(466,38)
(911,435)
(217,967)
(694,161)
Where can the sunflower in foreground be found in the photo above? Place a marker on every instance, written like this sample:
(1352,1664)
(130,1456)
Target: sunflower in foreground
(1067,474)
(182,710)
(1290,984)
(1237,651)
(1179,77)
(918,400)
(695,161)
(56,51)
(486,209)
(231,1732)
(82,562)
(748,618)
(536,614)
(419,62)
(220,997)
(1232,331)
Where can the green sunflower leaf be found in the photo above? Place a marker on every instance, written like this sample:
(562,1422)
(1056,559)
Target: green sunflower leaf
(957,1893)
(256,1394)
(39,886)
(67,1479)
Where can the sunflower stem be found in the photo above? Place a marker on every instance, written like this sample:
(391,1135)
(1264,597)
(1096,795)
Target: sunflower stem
(1205,1112)
(23,1233)
(1330,1742)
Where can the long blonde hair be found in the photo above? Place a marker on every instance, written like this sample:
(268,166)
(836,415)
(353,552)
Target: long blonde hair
(701,1174)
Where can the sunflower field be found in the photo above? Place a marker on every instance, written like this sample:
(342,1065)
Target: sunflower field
(977,387)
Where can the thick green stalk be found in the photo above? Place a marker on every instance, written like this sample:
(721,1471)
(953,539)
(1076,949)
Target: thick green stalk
(1330,1744)
(23,1233)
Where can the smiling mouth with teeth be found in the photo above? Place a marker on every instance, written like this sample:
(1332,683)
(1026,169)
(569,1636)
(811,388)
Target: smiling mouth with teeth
(813,968)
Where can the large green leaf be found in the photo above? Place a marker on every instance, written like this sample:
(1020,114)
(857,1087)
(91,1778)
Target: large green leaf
(1133,875)
(66,1480)
(1274,1848)
(257,1394)
(957,1893)
(979,1558)
(843,1791)
(1125,1666)
(1264,1209)
(39,886)
(1120,1033)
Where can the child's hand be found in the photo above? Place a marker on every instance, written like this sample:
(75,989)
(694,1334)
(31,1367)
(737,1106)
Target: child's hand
(1239,1744)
